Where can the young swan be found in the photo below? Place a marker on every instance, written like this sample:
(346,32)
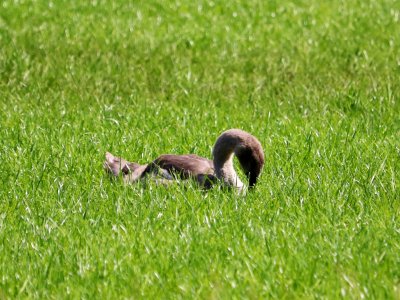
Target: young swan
(206,172)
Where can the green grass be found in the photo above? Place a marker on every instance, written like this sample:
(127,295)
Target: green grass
(317,82)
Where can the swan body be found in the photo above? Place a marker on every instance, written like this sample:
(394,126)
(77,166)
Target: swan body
(233,142)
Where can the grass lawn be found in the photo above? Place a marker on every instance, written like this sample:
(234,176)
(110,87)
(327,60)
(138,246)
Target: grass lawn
(318,83)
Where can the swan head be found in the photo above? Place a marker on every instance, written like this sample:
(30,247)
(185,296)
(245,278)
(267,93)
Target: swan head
(252,161)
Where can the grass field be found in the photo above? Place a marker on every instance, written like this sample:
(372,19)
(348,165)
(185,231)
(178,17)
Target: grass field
(317,82)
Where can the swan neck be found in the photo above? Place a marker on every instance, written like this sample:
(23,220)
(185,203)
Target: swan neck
(224,169)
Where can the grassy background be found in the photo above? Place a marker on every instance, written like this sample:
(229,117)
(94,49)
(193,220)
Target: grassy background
(317,83)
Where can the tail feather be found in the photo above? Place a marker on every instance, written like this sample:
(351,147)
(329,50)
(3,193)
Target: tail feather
(117,165)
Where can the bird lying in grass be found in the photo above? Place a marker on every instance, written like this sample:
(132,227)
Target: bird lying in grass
(206,172)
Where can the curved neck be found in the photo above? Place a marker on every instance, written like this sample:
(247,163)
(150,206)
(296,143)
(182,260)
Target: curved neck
(223,165)
(247,149)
